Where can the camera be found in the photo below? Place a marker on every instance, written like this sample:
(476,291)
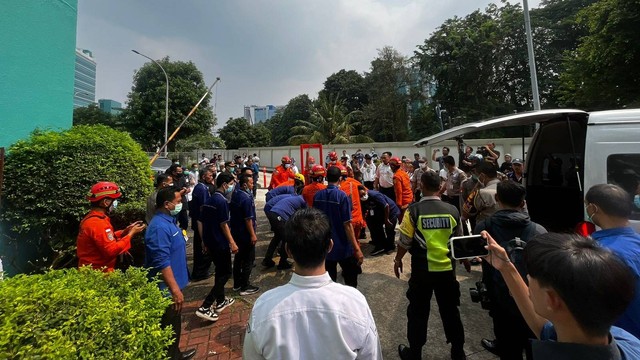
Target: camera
(480,294)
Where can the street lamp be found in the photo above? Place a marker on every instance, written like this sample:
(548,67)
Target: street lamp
(166,101)
(532,58)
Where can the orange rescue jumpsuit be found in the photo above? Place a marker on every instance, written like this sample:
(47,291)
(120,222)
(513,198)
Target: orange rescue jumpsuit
(402,188)
(98,244)
(280,175)
(310,191)
(350,187)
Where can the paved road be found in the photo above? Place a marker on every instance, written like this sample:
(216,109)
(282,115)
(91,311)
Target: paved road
(385,294)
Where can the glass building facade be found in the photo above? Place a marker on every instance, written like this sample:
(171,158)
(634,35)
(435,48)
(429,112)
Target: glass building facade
(256,114)
(84,89)
(110,106)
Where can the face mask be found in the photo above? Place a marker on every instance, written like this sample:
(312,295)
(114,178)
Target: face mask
(176,210)
(636,201)
(589,217)
(179,175)
(114,204)
(229,189)
(365,197)
(287,166)
(232,170)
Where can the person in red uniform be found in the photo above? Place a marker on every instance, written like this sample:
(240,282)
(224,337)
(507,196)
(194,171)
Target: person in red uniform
(282,173)
(308,167)
(317,183)
(333,159)
(401,185)
(349,186)
(98,244)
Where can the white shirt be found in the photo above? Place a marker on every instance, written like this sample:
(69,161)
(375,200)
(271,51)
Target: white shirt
(368,171)
(384,175)
(311,317)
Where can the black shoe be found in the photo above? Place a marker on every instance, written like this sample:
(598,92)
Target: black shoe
(199,277)
(189,354)
(490,345)
(404,352)
(284,266)
(390,249)
(268,263)
(457,353)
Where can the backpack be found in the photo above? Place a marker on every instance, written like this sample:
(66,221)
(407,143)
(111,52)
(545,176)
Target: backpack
(515,246)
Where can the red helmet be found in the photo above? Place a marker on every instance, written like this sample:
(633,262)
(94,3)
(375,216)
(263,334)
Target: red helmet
(396,160)
(343,169)
(286,159)
(318,171)
(333,156)
(104,189)
(311,160)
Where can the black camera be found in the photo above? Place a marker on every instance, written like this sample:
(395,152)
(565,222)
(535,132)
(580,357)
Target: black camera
(480,294)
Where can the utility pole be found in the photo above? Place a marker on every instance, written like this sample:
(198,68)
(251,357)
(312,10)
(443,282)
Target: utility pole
(532,58)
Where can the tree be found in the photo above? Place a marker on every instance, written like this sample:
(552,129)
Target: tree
(199,141)
(144,117)
(348,85)
(238,133)
(329,123)
(603,72)
(280,125)
(92,115)
(385,117)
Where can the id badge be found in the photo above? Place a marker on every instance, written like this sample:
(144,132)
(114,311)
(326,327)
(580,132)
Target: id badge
(186,237)
(371,212)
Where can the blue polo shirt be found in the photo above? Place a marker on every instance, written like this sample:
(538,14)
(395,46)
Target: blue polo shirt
(242,208)
(279,191)
(165,246)
(625,243)
(275,200)
(199,196)
(337,205)
(214,213)
(377,202)
(286,206)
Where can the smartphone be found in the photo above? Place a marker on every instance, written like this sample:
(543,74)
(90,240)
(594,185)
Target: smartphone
(468,247)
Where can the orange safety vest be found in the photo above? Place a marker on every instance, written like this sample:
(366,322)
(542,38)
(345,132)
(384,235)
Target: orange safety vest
(98,244)
(280,175)
(402,188)
(350,187)
(310,191)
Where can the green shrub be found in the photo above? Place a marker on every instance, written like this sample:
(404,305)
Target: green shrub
(48,176)
(82,314)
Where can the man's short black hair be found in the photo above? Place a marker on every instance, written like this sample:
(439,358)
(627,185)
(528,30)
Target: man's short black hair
(445,148)
(430,180)
(243,178)
(172,169)
(511,193)
(245,169)
(593,282)
(308,237)
(160,179)
(333,174)
(166,194)
(611,199)
(488,169)
(204,172)
(388,153)
(224,177)
(449,160)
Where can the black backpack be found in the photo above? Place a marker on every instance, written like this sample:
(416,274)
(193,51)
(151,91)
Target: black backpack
(515,246)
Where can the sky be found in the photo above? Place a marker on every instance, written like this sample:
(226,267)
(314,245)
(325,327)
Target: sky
(265,52)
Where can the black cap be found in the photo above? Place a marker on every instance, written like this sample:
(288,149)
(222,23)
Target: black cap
(367,156)
(517,161)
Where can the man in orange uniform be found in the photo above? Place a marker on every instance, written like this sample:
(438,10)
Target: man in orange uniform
(401,185)
(282,173)
(316,174)
(350,187)
(333,159)
(98,244)
(297,181)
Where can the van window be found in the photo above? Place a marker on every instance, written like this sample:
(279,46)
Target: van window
(624,170)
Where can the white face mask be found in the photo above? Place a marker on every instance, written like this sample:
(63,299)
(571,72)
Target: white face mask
(365,197)
(176,210)
(287,166)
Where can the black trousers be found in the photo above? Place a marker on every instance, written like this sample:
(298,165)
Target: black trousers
(390,192)
(368,185)
(382,235)
(277,242)
(422,285)
(172,318)
(350,270)
(183,217)
(453,200)
(222,261)
(243,263)
(201,261)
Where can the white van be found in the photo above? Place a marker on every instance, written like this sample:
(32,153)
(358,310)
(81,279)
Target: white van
(571,151)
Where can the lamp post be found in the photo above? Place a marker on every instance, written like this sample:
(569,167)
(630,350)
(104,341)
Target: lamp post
(532,58)
(166,100)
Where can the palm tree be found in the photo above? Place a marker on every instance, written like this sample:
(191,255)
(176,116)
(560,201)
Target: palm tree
(328,124)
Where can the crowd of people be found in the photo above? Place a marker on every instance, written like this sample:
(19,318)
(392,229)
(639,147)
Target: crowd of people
(575,295)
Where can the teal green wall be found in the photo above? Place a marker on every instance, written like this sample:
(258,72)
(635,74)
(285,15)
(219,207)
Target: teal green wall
(37,65)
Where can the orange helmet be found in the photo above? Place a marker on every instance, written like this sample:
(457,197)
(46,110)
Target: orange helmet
(286,159)
(104,189)
(333,156)
(318,171)
(343,169)
(396,160)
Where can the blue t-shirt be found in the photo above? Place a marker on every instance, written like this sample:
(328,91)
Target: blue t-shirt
(623,346)
(165,246)
(214,213)
(625,243)
(337,206)
(242,208)
(286,206)
(199,196)
(374,206)
(280,190)
(274,200)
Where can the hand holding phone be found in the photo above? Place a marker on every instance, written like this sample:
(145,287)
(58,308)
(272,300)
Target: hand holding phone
(468,247)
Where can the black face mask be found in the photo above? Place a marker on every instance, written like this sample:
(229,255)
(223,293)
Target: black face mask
(179,175)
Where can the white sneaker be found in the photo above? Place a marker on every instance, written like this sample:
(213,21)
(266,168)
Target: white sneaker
(207,314)
(225,304)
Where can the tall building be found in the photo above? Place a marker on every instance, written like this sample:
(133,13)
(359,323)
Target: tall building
(256,114)
(84,88)
(110,106)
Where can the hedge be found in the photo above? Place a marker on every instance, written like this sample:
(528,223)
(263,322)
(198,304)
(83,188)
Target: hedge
(83,314)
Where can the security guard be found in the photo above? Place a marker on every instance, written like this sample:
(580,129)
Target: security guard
(424,233)
(98,244)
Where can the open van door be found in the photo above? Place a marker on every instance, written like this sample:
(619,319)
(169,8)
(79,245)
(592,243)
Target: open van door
(554,173)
